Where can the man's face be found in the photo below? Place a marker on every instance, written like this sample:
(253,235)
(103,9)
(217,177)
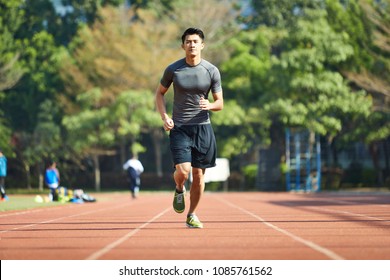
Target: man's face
(193,45)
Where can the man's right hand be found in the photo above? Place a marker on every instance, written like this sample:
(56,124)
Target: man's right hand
(168,124)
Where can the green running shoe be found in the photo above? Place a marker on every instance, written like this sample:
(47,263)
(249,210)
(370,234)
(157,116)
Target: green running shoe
(179,202)
(193,222)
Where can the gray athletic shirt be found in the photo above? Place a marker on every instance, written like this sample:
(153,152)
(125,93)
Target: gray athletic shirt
(189,84)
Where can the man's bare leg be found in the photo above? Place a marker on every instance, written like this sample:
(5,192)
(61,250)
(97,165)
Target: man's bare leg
(181,175)
(197,188)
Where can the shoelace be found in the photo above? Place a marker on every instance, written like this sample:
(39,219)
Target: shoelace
(179,197)
(193,218)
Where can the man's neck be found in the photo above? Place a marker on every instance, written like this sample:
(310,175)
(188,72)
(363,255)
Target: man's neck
(193,61)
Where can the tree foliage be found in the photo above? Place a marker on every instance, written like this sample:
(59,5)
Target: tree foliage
(288,76)
(368,26)
(321,98)
(11,70)
(117,54)
(10,47)
(279,14)
(80,75)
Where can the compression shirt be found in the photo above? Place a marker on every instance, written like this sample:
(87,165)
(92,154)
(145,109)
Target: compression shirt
(189,84)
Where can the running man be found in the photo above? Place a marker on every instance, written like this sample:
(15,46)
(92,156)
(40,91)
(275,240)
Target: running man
(192,139)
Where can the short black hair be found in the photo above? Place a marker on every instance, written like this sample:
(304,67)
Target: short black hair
(192,31)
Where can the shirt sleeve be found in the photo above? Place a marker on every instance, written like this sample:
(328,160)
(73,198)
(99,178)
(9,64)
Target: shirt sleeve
(141,167)
(216,85)
(126,165)
(167,77)
(57,173)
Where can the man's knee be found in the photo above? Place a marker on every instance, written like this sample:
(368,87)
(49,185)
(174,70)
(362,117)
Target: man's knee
(182,171)
(183,168)
(198,176)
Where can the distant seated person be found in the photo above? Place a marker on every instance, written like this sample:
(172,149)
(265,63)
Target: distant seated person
(52,179)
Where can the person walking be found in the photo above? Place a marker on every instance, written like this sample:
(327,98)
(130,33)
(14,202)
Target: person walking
(134,169)
(3,174)
(192,139)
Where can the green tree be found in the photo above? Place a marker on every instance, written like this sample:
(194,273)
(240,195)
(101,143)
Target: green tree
(44,143)
(10,20)
(116,56)
(218,20)
(319,95)
(40,82)
(37,35)
(95,129)
(62,18)
(11,69)
(32,33)
(367,24)
(242,127)
(5,135)
(315,96)
(290,76)
(89,131)
(279,14)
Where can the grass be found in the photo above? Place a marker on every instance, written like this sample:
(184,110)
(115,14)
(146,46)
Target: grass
(27,201)
(23,202)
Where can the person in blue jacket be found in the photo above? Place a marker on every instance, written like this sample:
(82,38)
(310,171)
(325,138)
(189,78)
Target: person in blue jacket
(3,174)
(52,179)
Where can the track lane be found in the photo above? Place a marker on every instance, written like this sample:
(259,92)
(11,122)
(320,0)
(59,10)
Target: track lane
(274,226)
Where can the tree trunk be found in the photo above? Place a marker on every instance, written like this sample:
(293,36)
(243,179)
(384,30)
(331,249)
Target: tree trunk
(40,177)
(28,177)
(374,152)
(123,154)
(329,164)
(96,165)
(157,138)
(387,161)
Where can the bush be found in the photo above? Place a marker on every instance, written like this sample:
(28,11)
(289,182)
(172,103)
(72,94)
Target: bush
(250,173)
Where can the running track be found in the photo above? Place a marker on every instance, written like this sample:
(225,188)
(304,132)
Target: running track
(238,226)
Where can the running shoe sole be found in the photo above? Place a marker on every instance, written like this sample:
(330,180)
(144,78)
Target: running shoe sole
(179,202)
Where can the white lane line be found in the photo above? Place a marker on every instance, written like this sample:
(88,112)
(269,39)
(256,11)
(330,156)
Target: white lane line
(116,243)
(342,202)
(21,213)
(339,202)
(320,209)
(332,255)
(30,211)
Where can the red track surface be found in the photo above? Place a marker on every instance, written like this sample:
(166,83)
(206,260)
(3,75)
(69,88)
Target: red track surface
(238,226)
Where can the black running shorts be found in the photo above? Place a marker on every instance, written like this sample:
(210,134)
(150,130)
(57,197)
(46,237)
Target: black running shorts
(195,144)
